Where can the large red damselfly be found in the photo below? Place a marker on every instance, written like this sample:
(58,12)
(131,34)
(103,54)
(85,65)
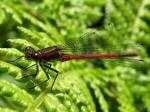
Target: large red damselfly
(89,46)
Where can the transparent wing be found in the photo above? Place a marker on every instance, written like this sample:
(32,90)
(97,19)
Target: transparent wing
(94,42)
(87,43)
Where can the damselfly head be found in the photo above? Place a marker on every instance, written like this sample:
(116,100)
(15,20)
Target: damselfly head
(29,52)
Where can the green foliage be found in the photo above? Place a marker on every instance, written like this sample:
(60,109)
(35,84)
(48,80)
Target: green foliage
(82,86)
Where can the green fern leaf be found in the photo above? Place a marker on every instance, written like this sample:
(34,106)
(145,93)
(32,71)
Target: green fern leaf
(10,10)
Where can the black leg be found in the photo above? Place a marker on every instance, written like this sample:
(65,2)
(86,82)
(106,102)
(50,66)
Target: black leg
(48,76)
(37,70)
(55,76)
(16,59)
(35,74)
(46,72)
(47,64)
(26,68)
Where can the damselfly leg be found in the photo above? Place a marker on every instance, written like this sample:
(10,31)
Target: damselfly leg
(35,74)
(46,68)
(17,59)
(49,67)
(26,68)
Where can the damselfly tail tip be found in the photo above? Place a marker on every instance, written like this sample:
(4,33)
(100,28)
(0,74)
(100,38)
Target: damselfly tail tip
(129,54)
(141,60)
(132,54)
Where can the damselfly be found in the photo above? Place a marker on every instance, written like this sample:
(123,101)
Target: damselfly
(89,46)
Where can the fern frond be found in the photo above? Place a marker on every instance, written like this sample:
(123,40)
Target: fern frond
(10,52)
(95,85)
(10,69)
(125,98)
(16,96)
(34,20)
(21,44)
(56,105)
(7,110)
(10,10)
(2,18)
(37,38)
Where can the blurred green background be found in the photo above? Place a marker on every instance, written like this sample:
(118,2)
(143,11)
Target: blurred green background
(82,86)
